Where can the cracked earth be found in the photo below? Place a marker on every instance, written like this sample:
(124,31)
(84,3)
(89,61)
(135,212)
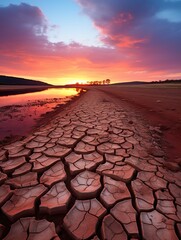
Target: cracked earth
(94,172)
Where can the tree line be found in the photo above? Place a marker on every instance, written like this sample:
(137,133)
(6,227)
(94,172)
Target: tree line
(103,82)
(93,83)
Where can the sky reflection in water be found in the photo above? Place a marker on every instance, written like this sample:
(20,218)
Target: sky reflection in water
(19,113)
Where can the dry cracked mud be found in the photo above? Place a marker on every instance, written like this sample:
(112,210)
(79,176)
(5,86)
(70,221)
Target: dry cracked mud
(95,171)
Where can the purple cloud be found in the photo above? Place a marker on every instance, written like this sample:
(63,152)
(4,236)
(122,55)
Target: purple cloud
(140,30)
(24,46)
(21,25)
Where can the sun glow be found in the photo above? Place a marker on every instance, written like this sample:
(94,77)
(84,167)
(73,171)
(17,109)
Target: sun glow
(72,80)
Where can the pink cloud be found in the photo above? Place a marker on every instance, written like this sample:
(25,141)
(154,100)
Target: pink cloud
(134,28)
(25,46)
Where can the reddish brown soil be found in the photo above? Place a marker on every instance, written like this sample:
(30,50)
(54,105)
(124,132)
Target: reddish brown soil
(160,106)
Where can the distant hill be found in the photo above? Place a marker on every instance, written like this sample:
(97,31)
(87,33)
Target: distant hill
(167,81)
(129,83)
(7,80)
(153,82)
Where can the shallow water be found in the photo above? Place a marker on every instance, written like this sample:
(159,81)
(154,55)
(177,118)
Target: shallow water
(20,113)
(41,95)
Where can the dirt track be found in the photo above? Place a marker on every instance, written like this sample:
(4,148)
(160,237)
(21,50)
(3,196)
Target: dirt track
(94,172)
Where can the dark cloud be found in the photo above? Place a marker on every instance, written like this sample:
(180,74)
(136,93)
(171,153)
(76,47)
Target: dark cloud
(137,30)
(22,25)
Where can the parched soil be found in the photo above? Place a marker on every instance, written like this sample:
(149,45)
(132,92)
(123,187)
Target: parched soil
(95,171)
(160,106)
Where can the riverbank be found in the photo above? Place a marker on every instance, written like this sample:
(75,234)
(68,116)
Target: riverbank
(85,172)
(159,105)
(21,114)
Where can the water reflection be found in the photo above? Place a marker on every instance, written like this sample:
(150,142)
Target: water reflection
(19,113)
(49,93)
(80,90)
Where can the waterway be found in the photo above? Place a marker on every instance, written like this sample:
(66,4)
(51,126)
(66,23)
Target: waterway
(20,113)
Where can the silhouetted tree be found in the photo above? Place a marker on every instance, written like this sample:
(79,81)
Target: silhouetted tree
(108,81)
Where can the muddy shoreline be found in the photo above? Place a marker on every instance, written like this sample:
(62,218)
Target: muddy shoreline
(96,158)
(158,105)
(43,119)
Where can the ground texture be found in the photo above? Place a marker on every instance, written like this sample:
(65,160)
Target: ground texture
(159,106)
(96,171)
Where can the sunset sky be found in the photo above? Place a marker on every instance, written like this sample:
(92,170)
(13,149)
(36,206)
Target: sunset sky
(68,41)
